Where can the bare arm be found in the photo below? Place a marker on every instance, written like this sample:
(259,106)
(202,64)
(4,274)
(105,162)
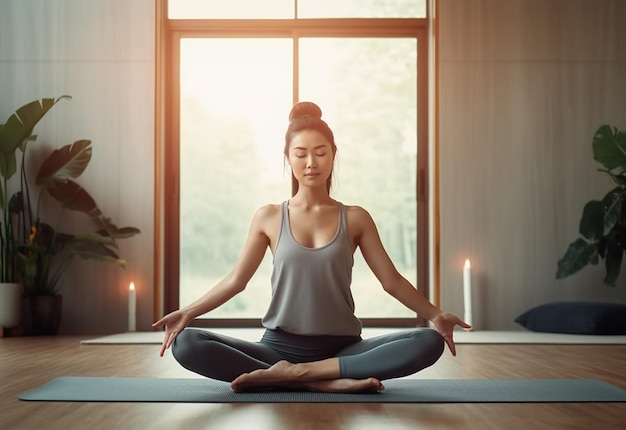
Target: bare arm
(234,283)
(383,268)
(237,280)
(374,253)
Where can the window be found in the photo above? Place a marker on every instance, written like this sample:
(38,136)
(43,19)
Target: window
(229,86)
(277,9)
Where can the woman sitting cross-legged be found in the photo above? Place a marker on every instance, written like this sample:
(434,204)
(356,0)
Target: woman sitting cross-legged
(312,339)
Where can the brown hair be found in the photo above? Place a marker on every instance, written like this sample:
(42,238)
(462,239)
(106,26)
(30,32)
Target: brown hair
(307,116)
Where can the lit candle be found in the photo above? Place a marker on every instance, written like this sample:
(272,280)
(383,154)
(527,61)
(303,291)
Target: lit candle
(132,304)
(467,291)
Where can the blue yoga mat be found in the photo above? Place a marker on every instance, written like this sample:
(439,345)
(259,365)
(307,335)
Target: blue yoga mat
(197,390)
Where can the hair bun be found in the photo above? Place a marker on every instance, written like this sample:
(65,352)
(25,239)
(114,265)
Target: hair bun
(301,109)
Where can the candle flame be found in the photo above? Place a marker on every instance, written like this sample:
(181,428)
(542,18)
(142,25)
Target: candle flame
(131,287)
(467,263)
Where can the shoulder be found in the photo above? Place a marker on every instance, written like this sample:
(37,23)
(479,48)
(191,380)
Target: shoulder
(267,211)
(357,212)
(362,228)
(265,222)
(359,219)
(266,216)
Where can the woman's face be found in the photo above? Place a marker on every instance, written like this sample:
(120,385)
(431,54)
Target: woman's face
(311,158)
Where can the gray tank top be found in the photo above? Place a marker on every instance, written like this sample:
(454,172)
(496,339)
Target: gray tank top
(311,286)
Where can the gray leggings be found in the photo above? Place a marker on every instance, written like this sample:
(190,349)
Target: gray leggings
(387,356)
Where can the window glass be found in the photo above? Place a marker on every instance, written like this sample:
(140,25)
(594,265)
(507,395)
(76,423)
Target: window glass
(285,9)
(235,98)
(230,9)
(361,8)
(367,90)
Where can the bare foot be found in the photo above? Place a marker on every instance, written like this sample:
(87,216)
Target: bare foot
(278,375)
(284,375)
(345,385)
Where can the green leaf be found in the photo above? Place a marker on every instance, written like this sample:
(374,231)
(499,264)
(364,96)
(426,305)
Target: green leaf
(124,232)
(94,237)
(65,163)
(74,197)
(8,167)
(612,208)
(591,224)
(613,262)
(50,239)
(16,203)
(619,179)
(20,125)
(113,231)
(609,148)
(30,138)
(579,254)
(96,251)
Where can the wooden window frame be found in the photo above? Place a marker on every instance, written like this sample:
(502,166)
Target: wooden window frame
(167,175)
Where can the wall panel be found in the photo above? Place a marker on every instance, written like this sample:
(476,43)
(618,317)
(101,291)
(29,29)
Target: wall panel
(524,85)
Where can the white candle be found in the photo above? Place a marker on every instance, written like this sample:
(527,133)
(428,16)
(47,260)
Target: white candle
(132,305)
(467,291)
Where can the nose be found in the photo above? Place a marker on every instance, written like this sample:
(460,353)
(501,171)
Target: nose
(310,161)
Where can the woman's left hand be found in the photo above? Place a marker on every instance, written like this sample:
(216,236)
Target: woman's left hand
(445,322)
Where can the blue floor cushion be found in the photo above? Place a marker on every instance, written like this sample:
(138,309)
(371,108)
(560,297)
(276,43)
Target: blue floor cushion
(576,317)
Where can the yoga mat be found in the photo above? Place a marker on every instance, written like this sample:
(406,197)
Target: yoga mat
(196,390)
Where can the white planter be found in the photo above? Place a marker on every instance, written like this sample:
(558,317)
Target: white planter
(10,304)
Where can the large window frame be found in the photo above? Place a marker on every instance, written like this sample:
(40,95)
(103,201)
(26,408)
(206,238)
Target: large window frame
(169,34)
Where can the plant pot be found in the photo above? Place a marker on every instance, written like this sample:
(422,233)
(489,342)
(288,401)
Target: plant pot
(10,308)
(41,315)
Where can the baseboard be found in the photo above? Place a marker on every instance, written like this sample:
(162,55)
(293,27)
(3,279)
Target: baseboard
(460,337)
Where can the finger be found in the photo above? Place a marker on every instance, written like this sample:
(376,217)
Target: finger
(452,348)
(461,323)
(159,323)
(164,345)
(450,343)
(170,339)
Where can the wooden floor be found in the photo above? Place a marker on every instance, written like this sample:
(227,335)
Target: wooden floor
(26,363)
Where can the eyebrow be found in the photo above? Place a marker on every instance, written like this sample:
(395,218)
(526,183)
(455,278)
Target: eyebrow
(317,147)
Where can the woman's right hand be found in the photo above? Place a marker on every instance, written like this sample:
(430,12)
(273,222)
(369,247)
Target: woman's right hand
(174,323)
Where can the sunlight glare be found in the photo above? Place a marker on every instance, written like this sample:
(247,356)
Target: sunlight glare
(247,79)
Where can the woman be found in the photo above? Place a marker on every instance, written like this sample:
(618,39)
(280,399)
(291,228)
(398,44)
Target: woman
(312,338)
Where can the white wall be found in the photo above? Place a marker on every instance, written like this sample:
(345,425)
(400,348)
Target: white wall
(524,85)
(101,52)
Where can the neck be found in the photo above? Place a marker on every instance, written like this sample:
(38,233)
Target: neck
(311,197)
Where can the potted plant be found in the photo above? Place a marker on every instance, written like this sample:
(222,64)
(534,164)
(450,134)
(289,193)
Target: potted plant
(603,222)
(48,251)
(13,135)
(41,251)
